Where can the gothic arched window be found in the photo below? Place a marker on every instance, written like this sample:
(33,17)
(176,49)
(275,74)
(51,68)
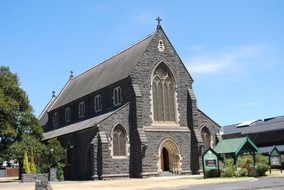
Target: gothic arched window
(163,93)
(119,141)
(81,109)
(67,114)
(206,137)
(117,99)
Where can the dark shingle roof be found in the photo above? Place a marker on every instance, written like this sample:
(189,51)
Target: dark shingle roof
(108,72)
(271,124)
(43,117)
(85,124)
(267,149)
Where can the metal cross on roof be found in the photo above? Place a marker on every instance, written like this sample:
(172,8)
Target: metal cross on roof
(71,74)
(159,20)
(53,94)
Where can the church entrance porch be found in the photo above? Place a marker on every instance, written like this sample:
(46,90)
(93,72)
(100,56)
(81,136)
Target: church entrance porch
(169,157)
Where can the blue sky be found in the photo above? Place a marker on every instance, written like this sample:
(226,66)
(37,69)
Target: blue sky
(234,50)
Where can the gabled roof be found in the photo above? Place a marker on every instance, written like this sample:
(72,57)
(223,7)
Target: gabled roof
(205,115)
(43,117)
(234,146)
(268,149)
(108,72)
(258,126)
(85,124)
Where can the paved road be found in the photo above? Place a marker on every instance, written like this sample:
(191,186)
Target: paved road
(271,183)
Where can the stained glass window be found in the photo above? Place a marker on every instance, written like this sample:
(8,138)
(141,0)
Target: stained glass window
(119,141)
(163,93)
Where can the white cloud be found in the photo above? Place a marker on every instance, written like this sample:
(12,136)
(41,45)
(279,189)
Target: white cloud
(230,59)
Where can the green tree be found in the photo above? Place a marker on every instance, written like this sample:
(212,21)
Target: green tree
(26,164)
(53,156)
(20,133)
(32,165)
(16,117)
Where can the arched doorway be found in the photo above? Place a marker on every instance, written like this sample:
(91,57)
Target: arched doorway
(169,157)
(165,160)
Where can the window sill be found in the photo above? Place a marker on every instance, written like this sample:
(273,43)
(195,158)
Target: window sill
(161,128)
(117,104)
(119,157)
(96,111)
(165,124)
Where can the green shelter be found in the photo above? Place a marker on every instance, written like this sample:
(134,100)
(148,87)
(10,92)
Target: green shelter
(275,158)
(232,148)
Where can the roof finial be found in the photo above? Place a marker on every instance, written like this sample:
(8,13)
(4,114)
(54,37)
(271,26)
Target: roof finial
(71,74)
(53,94)
(159,21)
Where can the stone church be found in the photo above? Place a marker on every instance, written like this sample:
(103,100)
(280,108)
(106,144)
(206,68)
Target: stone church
(133,115)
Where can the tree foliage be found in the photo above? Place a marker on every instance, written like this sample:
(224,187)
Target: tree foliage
(20,133)
(16,118)
(53,157)
(32,165)
(26,164)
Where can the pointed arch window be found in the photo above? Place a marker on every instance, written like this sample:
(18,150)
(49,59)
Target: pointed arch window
(98,103)
(67,114)
(117,99)
(119,141)
(163,93)
(206,137)
(81,109)
(55,120)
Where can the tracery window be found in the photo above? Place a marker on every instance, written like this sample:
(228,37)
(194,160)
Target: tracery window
(119,141)
(98,103)
(163,93)
(67,114)
(82,109)
(117,96)
(206,137)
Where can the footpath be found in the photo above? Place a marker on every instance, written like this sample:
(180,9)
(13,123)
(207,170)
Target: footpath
(170,182)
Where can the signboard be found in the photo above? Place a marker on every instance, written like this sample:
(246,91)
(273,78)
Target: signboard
(210,160)
(275,161)
(210,163)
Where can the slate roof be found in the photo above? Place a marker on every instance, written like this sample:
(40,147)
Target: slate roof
(85,124)
(43,117)
(108,72)
(267,149)
(259,126)
(234,146)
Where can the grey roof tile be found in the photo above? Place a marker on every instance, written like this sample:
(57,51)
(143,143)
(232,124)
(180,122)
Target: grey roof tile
(271,124)
(77,126)
(43,117)
(108,72)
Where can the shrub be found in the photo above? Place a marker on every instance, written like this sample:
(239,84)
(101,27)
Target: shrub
(228,170)
(60,172)
(245,163)
(32,165)
(262,168)
(26,164)
(242,172)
